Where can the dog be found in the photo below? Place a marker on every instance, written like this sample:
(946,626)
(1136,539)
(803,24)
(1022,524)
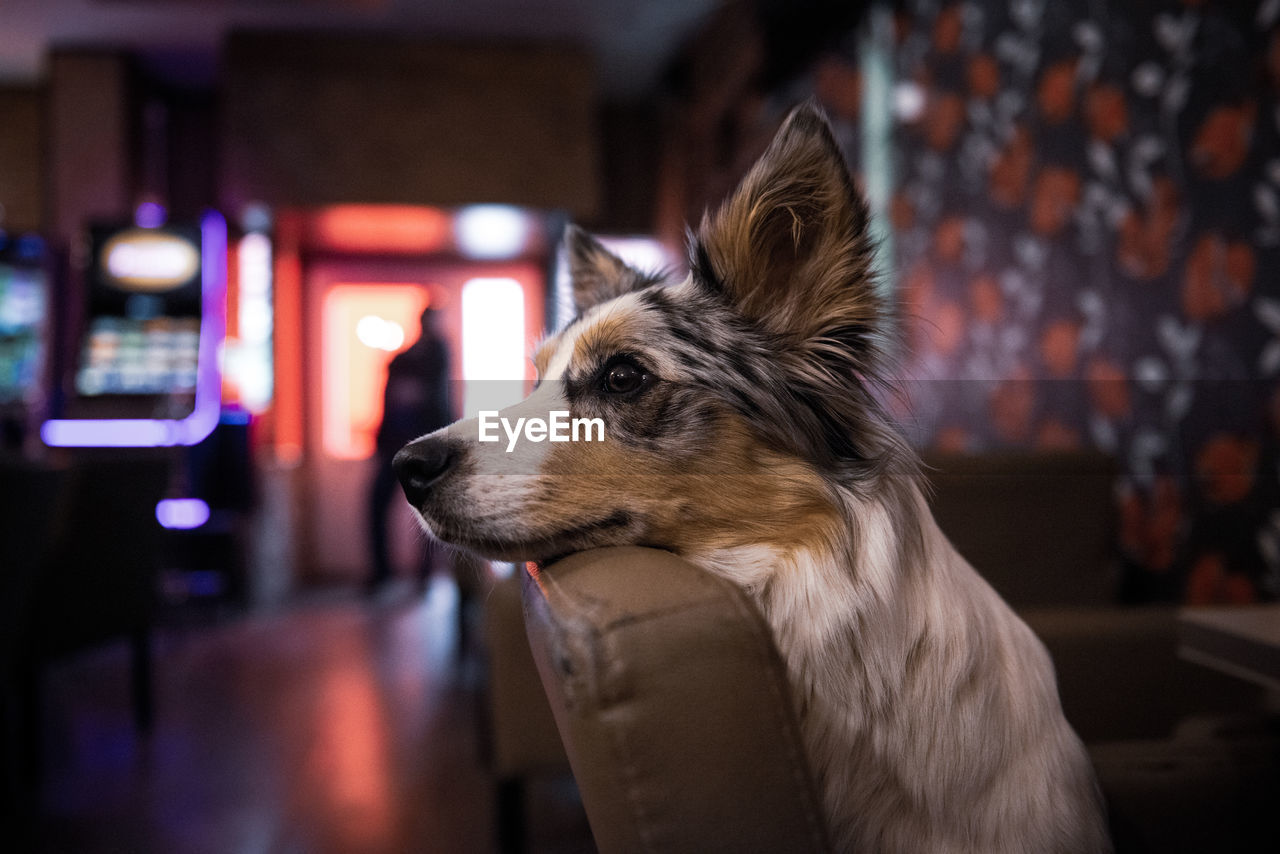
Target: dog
(747,432)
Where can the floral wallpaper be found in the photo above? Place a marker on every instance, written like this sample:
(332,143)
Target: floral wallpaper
(1086,231)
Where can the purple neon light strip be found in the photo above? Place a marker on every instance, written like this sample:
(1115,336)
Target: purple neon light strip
(152,432)
(182,514)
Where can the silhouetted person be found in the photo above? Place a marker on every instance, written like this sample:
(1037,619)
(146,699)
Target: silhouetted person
(415,402)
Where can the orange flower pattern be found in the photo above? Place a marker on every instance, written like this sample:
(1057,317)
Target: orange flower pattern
(1058,346)
(1087,221)
(1056,195)
(1226,467)
(839,87)
(1150,524)
(1106,112)
(1013,406)
(1012,170)
(1057,93)
(984,76)
(1144,245)
(988,303)
(1108,389)
(1223,142)
(1212,584)
(1218,277)
(944,120)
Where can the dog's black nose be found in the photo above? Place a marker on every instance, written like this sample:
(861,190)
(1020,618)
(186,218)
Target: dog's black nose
(420,464)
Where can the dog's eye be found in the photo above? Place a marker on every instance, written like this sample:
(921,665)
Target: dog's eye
(623,377)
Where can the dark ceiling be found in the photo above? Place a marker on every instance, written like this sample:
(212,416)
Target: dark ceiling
(632,40)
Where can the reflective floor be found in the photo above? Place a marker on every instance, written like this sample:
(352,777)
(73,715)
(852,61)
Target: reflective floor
(336,725)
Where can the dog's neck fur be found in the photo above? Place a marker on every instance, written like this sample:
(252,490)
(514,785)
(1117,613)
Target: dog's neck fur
(899,652)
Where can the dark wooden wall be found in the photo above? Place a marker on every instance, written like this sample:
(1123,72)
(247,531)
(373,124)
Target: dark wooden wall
(312,119)
(21,160)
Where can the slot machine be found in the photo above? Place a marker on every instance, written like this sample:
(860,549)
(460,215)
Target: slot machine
(145,384)
(146,365)
(25,335)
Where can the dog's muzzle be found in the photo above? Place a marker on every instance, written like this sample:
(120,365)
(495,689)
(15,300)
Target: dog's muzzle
(420,464)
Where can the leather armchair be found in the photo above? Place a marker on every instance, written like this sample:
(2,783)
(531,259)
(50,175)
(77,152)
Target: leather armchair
(672,751)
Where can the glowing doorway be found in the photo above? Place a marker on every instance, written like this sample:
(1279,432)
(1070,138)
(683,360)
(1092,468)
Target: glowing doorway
(363,327)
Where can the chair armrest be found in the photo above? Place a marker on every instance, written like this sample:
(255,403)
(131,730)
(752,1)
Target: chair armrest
(522,736)
(673,705)
(1120,677)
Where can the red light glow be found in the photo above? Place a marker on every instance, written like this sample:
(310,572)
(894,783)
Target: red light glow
(288,349)
(395,229)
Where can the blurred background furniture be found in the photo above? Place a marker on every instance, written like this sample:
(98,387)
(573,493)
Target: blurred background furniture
(1188,756)
(29,510)
(1240,640)
(519,739)
(1041,528)
(85,543)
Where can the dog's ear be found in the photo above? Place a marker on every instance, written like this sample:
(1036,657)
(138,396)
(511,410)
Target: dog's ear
(598,275)
(789,252)
(789,249)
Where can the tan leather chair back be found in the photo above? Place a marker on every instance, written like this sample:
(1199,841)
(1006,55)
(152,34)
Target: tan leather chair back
(673,705)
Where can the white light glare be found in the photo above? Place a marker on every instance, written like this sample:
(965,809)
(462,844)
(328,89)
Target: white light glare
(491,232)
(493,343)
(380,333)
(908,101)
